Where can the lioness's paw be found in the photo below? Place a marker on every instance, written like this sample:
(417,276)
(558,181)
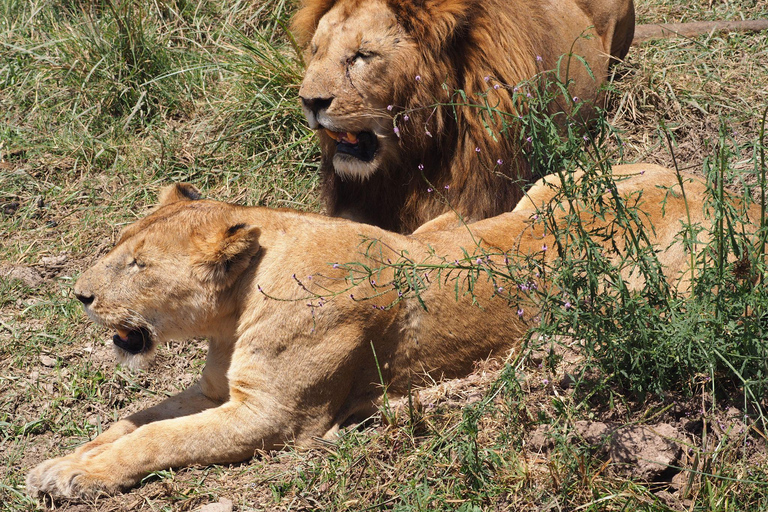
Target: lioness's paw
(66,477)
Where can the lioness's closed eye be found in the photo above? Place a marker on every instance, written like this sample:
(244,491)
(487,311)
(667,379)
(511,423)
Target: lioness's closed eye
(285,371)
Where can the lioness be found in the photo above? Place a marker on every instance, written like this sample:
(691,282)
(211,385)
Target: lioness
(302,313)
(379,89)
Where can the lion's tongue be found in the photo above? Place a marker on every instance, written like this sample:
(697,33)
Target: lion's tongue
(123,334)
(342,136)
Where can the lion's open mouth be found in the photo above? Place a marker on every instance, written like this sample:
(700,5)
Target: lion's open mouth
(134,341)
(362,145)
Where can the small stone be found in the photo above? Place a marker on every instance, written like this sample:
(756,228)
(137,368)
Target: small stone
(224,505)
(568,381)
(47,360)
(54,261)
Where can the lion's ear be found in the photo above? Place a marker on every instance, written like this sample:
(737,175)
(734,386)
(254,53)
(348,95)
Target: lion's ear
(434,22)
(178,192)
(220,257)
(304,22)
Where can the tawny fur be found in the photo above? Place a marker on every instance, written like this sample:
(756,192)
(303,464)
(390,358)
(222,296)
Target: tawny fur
(363,57)
(285,365)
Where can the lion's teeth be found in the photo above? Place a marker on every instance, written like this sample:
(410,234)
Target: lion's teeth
(123,334)
(335,136)
(351,137)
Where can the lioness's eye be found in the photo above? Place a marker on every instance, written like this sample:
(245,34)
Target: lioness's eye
(137,263)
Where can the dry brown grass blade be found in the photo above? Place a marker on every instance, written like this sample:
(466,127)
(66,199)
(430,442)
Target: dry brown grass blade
(648,32)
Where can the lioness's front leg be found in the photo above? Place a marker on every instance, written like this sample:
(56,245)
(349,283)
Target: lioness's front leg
(190,401)
(228,433)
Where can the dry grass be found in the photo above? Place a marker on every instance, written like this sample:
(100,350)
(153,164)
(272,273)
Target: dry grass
(224,116)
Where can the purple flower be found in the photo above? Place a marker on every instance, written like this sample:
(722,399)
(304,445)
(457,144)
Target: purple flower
(585,138)
(335,265)
(529,139)
(429,190)
(405,117)
(515,89)
(447,187)
(421,167)
(496,86)
(538,58)
(487,78)
(545,381)
(389,107)
(575,99)
(478,261)
(544,247)
(477,150)
(567,305)
(520,312)
(499,161)
(528,94)
(418,78)
(501,289)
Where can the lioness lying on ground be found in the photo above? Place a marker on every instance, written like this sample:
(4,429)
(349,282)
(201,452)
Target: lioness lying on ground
(285,371)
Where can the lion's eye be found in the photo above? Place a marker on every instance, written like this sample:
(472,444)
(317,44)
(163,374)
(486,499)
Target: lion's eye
(361,54)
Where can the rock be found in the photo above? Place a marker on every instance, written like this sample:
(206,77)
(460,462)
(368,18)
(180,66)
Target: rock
(539,440)
(642,452)
(27,275)
(645,452)
(224,505)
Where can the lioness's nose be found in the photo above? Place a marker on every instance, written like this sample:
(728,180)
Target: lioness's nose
(315,105)
(85,299)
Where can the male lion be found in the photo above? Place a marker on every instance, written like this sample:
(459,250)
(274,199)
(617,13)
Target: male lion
(305,314)
(371,61)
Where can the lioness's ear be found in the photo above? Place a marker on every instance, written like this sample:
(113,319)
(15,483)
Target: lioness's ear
(223,255)
(178,192)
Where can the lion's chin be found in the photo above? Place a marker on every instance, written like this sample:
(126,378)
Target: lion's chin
(349,167)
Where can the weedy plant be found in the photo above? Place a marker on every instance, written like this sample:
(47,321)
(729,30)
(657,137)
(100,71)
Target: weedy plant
(662,342)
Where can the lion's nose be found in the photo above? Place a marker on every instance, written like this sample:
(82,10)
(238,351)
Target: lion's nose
(315,105)
(86,299)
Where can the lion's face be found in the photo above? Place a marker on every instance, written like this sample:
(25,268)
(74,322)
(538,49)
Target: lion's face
(164,277)
(356,55)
